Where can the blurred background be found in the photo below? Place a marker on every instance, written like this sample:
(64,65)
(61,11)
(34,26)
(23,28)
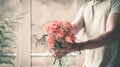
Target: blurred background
(33,14)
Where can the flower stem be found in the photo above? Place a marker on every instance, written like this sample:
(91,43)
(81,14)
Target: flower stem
(60,61)
(54,61)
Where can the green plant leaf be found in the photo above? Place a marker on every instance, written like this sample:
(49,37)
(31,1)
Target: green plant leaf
(7,60)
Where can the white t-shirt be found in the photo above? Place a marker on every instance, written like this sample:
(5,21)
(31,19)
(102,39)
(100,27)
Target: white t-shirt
(95,17)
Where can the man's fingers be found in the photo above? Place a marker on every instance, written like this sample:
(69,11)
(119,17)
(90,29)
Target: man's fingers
(63,50)
(66,44)
(60,55)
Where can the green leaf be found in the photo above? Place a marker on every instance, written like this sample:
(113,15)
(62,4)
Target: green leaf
(7,60)
(6,43)
(9,36)
(2,27)
(42,40)
(6,51)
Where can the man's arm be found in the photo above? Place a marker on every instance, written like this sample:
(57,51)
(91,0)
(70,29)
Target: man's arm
(79,21)
(111,34)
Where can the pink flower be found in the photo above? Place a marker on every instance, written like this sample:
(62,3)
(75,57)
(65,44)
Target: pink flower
(67,26)
(53,26)
(60,33)
(70,38)
(48,29)
(50,41)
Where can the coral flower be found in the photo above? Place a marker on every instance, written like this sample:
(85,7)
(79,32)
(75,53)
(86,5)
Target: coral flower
(53,26)
(68,26)
(60,33)
(70,38)
(50,41)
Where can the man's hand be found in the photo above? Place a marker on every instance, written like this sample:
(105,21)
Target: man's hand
(67,48)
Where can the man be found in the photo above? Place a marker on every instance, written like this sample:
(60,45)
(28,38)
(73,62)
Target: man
(101,22)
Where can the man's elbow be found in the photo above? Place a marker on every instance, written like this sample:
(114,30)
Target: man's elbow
(114,34)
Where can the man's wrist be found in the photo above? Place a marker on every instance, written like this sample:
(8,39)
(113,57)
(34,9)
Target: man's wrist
(78,47)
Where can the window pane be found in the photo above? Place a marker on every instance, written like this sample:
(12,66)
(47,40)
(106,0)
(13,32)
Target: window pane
(43,11)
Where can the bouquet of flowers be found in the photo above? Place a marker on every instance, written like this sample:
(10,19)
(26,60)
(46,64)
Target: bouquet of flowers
(58,33)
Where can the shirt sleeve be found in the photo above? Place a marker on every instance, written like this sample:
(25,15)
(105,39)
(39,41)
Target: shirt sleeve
(115,6)
(81,10)
(79,14)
